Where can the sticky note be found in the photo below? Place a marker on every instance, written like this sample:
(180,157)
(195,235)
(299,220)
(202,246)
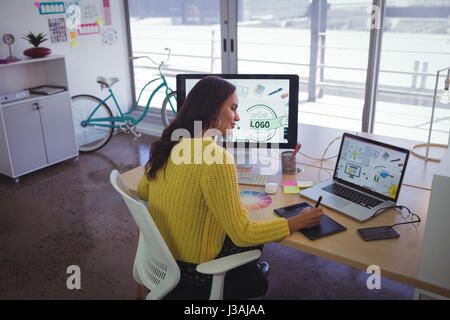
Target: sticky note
(37,4)
(290,189)
(289,183)
(73,43)
(99,21)
(304,184)
(73,34)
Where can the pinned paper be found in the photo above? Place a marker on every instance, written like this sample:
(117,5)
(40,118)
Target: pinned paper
(289,183)
(291,189)
(73,16)
(99,21)
(88,28)
(51,7)
(73,43)
(57,30)
(90,12)
(107,12)
(109,36)
(73,35)
(304,184)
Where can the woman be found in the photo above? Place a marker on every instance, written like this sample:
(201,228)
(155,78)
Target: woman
(193,196)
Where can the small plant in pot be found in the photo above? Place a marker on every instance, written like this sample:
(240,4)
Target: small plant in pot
(36,40)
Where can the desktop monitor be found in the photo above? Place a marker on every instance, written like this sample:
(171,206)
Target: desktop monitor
(267,107)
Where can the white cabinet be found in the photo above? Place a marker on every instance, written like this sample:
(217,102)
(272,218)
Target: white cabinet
(38,131)
(57,127)
(434,265)
(25,140)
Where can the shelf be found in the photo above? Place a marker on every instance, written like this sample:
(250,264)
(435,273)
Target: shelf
(31,60)
(30,73)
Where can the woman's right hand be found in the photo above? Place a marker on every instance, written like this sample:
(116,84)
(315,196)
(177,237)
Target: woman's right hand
(309,217)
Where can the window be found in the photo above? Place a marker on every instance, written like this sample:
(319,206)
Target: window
(189,28)
(325,42)
(336,97)
(286,36)
(415,46)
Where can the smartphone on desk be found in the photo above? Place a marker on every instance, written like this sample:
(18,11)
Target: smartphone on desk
(327,226)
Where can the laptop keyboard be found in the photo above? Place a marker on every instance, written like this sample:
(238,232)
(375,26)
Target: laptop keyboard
(352,195)
(252,178)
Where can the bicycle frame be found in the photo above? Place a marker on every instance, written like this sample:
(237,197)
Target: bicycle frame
(125,118)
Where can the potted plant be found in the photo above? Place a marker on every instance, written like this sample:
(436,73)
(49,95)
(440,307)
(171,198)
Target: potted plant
(36,40)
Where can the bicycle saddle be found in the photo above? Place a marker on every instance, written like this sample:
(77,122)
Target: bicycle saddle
(108,82)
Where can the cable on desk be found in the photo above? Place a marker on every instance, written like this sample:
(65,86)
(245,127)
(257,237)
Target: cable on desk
(322,159)
(401,208)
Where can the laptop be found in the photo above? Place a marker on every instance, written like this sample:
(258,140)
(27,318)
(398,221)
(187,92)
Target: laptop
(367,178)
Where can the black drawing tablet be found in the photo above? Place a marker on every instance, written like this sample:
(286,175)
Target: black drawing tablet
(327,226)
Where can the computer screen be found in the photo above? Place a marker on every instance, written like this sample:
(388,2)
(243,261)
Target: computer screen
(267,107)
(371,165)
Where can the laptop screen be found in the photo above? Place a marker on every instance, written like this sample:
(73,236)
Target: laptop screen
(371,165)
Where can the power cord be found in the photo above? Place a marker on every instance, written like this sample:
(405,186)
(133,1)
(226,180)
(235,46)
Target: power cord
(324,153)
(322,159)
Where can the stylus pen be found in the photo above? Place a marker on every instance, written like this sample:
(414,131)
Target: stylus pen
(318,201)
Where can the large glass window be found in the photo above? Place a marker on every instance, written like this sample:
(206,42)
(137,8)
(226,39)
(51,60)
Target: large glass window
(341,67)
(282,36)
(274,37)
(415,45)
(325,42)
(189,28)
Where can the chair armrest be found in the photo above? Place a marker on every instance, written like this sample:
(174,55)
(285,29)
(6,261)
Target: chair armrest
(224,264)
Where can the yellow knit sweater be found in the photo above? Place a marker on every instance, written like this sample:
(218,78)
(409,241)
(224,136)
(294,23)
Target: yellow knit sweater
(195,202)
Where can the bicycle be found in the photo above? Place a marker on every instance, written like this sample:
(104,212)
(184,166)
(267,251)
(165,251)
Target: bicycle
(94,122)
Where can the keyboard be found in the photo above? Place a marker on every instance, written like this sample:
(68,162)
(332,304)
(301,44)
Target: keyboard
(252,179)
(352,195)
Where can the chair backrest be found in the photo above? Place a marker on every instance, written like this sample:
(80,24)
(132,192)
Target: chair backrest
(154,265)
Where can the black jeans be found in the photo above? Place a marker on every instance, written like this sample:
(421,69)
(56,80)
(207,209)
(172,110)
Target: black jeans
(243,282)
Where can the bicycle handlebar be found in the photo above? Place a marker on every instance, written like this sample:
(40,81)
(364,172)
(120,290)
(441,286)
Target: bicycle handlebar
(158,64)
(168,55)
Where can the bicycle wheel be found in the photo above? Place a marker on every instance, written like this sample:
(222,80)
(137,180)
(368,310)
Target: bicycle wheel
(166,118)
(90,137)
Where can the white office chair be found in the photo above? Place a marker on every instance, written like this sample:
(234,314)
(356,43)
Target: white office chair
(155,267)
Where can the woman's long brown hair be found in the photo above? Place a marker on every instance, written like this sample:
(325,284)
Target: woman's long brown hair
(203,104)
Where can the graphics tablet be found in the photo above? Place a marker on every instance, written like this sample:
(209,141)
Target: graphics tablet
(327,226)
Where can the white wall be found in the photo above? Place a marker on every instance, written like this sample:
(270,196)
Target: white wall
(84,62)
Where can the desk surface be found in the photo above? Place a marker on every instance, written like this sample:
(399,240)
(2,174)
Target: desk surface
(315,139)
(398,259)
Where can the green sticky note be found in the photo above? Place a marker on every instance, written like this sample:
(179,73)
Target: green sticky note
(99,21)
(290,189)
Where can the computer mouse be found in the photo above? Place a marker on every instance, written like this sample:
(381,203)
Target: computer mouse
(271,188)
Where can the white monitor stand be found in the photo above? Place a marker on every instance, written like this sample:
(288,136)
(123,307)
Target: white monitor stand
(242,158)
